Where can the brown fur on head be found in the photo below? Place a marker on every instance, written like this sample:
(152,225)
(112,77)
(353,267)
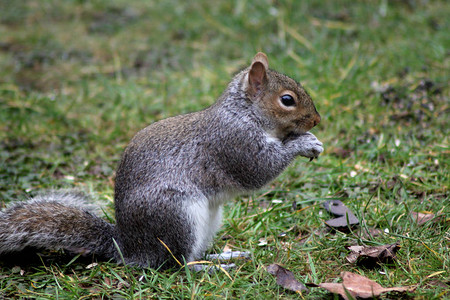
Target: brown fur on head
(283,100)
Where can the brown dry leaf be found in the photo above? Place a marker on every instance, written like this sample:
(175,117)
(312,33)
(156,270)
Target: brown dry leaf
(346,218)
(285,278)
(422,218)
(371,255)
(108,281)
(438,283)
(359,286)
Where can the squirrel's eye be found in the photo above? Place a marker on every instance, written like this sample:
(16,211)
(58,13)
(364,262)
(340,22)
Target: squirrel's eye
(287,100)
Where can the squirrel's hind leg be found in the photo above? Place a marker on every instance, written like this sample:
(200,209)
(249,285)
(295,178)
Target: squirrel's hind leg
(171,230)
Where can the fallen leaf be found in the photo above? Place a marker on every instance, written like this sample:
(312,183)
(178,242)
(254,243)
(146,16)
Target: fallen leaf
(346,219)
(285,278)
(422,218)
(438,283)
(371,255)
(107,281)
(359,286)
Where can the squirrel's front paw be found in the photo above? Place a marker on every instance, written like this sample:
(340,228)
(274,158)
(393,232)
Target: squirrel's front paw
(308,145)
(313,149)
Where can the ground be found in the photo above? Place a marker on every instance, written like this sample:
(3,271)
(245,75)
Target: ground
(79,78)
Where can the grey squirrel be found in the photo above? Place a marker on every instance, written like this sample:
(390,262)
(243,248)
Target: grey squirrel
(176,174)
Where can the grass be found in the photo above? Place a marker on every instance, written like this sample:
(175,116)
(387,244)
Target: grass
(79,78)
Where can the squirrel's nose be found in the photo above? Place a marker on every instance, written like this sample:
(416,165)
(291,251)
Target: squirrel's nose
(316,120)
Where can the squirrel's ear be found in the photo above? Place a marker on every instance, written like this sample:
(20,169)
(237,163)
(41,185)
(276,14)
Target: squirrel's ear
(257,75)
(262,58)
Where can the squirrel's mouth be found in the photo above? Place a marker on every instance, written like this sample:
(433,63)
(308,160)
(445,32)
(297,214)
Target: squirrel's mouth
(298,131)
(292,136)
(287,133)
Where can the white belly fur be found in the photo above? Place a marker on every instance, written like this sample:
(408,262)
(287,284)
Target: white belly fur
(206,215)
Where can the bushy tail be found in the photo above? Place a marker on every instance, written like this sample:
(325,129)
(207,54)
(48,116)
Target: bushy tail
(57,220)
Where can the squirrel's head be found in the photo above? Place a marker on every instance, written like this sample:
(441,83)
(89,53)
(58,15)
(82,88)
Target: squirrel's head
(283,101)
